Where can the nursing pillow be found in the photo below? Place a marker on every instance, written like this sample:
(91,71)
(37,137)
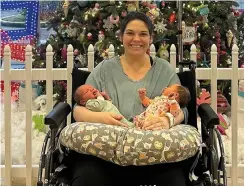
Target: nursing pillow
(131,146)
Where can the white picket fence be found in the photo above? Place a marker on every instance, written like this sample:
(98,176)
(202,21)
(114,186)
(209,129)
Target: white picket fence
(29,171)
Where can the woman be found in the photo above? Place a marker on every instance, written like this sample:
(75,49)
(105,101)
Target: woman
(121,77)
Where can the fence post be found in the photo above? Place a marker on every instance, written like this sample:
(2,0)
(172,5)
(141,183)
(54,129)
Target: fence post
(234,97)
(49,77)
(90,57)
(70,64)
(7,115)
(28,100)
(193,53)
(214,77)
(152,50)
(173,56)
(111,52)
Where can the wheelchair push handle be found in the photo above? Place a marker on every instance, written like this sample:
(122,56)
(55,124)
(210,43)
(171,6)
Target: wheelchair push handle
(190,63)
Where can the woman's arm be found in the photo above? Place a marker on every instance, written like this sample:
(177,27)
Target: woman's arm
(83,114)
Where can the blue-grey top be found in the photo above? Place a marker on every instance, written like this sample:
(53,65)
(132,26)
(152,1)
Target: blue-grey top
(109,77)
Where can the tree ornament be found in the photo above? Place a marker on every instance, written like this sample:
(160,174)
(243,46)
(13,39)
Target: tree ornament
(203,10)
(160,27)
(145,3)
(131,7)
(218,44)
(90,36)
(198,51)
(155,12)
(114,19)
(80,61)
(64,52)
(183,28)
(65,7)
(163,3)
(206,26)
(82,3)
(107,24)
(98,24)
(101,36)
(124,13)
(172,17)
(97,5)
(72,31)
(112,2)
(229,36)
(228,61)
(117,34)
(76,52)
(236,13)
(205,62)
(163,51)
(153,6)
(95,10)
(82,36)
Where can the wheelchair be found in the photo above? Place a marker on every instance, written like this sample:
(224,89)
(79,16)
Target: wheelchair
(206,168)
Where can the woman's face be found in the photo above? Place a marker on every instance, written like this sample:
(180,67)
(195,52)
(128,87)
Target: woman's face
(136,38)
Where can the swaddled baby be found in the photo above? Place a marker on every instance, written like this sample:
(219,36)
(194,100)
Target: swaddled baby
(94,100)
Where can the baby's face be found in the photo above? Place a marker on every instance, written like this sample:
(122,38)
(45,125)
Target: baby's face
(88,92)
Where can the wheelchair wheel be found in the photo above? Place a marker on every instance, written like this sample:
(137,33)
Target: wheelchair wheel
(217,159)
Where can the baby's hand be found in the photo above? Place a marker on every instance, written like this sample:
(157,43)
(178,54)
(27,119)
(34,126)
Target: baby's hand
(142,92)
(105,95)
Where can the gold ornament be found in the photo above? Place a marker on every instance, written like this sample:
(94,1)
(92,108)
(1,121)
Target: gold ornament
(65,6)
(131,7)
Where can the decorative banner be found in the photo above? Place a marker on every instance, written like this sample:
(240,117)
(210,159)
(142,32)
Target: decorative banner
(47,9)
(19,21)
(190,35)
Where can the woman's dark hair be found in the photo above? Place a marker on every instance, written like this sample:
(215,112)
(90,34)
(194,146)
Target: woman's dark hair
(136,16)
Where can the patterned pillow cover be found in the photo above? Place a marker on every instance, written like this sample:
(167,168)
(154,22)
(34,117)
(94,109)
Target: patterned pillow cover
(130,146)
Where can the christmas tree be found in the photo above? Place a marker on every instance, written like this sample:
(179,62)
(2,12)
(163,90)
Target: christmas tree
(82,23)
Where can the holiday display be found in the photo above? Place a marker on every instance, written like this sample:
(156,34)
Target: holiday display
(18,30)
(204,23)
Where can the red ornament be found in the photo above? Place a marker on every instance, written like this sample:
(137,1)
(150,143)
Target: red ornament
(236,13)
(124,13)
(172,17)
(163,4)
(76,52)
(64,52)
(90,36)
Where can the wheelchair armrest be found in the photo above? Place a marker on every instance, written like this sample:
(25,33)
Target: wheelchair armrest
(57,115)
(208,116)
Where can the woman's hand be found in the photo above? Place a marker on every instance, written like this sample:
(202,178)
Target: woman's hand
(156,123)
(82,114)
(110,119)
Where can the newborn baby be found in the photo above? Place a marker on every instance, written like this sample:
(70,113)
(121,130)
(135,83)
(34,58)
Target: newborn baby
(94,100)
(168,104)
